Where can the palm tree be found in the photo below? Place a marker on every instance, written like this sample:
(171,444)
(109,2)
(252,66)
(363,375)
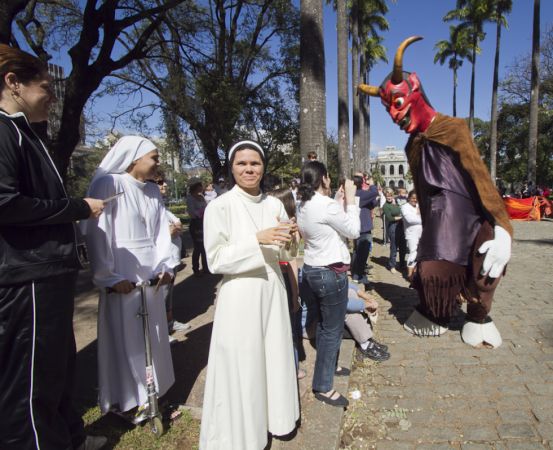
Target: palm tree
(535,86)
(472,14)
(373,51)
(312,80)
(354,30)
(501,7)
(343,97)
(454,51)
(367,21)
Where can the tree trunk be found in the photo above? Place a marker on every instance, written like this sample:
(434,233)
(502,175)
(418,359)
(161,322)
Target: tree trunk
(365,130)
(355,83)
(312,80)
(362,149)
(535,83)
(473,72)
(454,92)
(8,10)
(493,119)
(78,88)
(343,89)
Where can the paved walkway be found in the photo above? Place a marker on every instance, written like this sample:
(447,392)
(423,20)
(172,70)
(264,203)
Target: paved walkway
(438,393)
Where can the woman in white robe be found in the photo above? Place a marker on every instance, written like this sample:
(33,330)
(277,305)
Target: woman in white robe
(130,243)
(251,385)
(412,223)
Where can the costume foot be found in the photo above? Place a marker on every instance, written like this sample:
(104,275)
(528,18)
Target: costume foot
(481,335)
(419,325)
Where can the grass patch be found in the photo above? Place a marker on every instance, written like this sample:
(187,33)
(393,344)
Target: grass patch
(181,433)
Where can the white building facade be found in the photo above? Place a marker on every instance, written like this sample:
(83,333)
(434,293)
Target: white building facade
(393,167)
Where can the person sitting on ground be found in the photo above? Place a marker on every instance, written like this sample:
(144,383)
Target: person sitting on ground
(412,223)
(196,204)
(360,304)
(175,228)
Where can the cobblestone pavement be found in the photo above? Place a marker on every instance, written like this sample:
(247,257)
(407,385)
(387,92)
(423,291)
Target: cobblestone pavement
(439,393)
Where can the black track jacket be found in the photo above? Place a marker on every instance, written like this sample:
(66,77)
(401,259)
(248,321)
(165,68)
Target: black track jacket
(37,234)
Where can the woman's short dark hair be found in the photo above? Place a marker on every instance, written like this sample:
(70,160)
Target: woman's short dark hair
(26,66)
(287,198)
(312,174)
(245,146)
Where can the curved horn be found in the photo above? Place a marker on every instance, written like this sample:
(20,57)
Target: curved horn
(397,75)
(369,90)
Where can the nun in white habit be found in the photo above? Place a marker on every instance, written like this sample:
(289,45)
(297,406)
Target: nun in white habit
(130,242)
(251,384)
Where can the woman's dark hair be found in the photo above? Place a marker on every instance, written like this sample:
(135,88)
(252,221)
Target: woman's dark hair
(411,193)
(312,174)
(287,198)
(27,67)
(245,146)
(358,181)
(194,185)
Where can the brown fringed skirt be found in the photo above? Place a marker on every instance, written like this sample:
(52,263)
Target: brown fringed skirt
(443,285)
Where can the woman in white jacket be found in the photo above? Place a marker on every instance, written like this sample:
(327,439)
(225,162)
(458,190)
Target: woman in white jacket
(413,229)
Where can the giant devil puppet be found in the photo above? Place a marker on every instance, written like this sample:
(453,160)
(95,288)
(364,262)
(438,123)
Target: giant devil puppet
(466,237)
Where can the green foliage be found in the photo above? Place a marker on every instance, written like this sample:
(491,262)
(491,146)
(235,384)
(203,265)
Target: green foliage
(82,165)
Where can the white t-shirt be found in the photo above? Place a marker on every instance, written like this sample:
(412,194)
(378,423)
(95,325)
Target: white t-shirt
(325,225)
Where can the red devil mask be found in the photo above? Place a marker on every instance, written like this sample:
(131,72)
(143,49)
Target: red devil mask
(402,95)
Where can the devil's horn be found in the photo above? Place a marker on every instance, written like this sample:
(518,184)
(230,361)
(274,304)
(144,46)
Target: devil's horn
(397,75)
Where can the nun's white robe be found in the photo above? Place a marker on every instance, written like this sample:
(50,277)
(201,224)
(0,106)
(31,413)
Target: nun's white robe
(251,384)
(129,241)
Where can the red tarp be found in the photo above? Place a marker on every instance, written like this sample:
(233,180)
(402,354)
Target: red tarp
(531,208)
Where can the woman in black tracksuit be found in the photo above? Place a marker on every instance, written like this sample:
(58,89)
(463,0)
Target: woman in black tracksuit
(38,269)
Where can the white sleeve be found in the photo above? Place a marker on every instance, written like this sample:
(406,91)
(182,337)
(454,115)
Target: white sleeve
(346,223)
(225,253)
(99,233)
(165,260)
(410,216)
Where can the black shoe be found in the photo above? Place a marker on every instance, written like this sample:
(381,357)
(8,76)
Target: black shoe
(341,401)
(372,352)
(342,372)
(378,345)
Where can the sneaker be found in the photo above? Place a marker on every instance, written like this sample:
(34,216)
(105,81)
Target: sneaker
(179,326)
(93,443)
(173,340)
(374,353)
(379,345)
(393,270)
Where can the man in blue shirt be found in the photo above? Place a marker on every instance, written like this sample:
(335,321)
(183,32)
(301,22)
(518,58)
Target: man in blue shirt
(367,201)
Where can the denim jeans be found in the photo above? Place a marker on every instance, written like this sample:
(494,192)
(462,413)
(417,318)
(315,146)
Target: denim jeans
(361,253)
(330,291)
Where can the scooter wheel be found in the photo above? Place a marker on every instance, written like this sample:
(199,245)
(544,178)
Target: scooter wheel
(157,426)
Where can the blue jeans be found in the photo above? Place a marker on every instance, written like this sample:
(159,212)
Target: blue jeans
(361,253)
(396,235)
(330,291)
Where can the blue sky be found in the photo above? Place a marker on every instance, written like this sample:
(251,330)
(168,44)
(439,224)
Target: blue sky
(408,18)
(424,18)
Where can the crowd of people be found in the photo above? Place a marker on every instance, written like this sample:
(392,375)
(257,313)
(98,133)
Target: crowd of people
(250,235)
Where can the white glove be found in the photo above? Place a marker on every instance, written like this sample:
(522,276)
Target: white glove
(498,253)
